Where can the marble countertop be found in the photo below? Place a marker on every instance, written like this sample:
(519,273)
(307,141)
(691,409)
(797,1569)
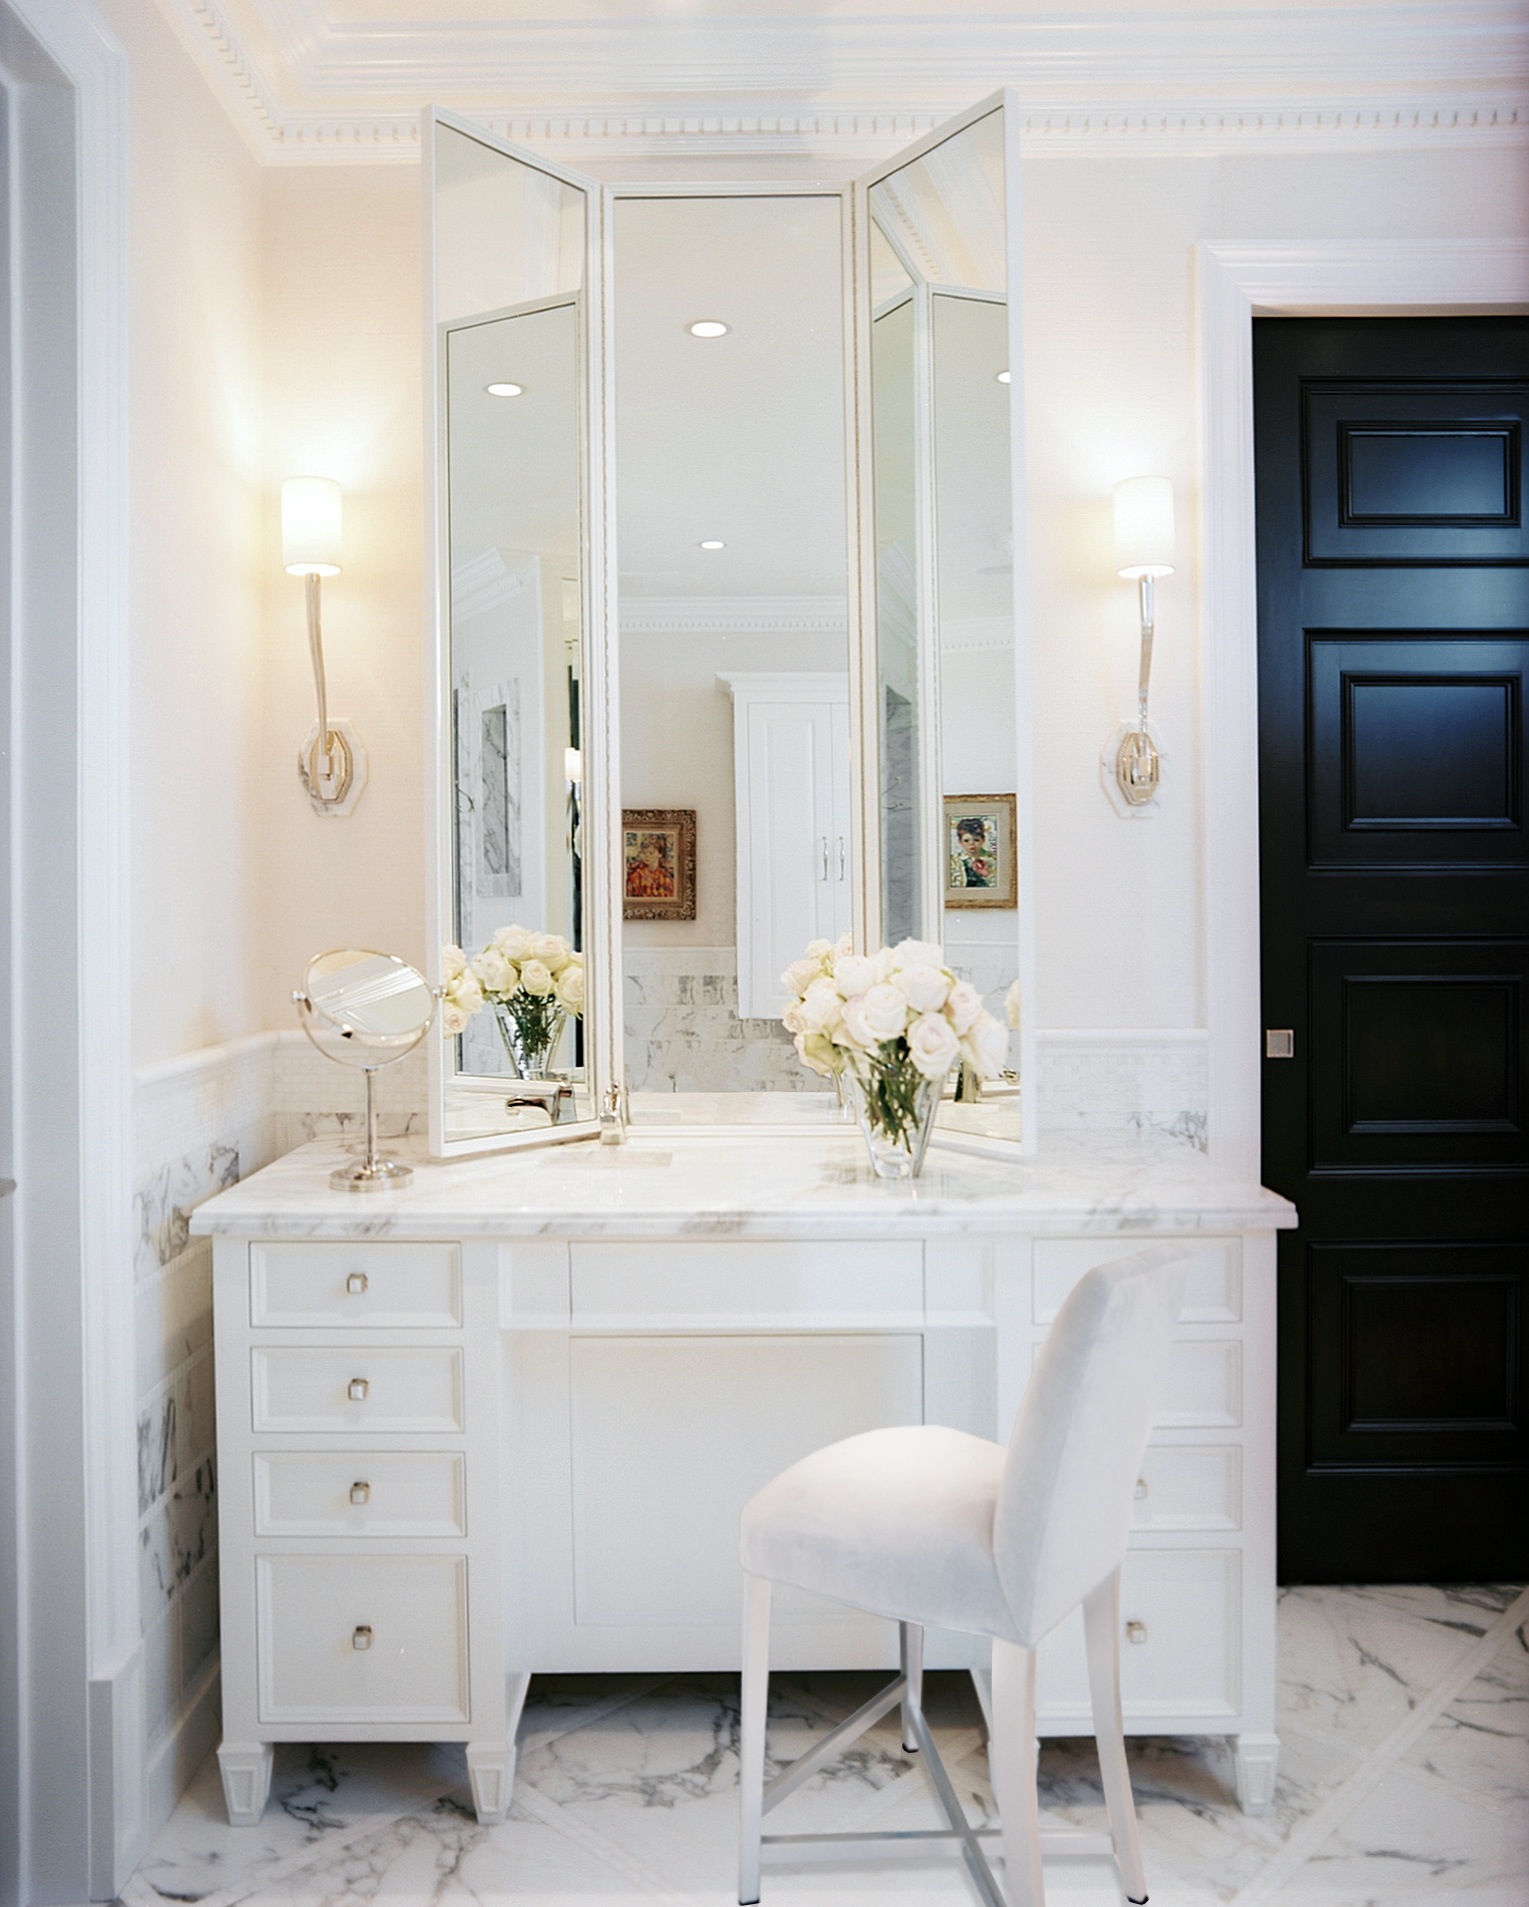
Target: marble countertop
(750,1184)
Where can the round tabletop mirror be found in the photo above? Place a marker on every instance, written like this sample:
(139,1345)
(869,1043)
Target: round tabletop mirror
(365,1009)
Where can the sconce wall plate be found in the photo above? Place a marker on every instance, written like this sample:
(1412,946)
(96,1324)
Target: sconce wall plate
(1109,779)
(336,795)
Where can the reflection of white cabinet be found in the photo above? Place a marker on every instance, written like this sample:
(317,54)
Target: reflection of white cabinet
(791,773)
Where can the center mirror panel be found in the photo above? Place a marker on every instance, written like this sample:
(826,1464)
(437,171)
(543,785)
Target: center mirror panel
(511,306)
(736,839)
(942,536)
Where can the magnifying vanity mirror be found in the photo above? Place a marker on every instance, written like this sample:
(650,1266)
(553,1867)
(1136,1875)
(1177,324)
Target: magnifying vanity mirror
(730,651)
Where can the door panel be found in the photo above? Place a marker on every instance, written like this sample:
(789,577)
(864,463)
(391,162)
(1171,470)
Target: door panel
(1393,645)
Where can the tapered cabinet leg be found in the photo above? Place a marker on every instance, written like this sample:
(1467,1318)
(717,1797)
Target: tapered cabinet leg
(1101,1636)
(246,1771)
(751,1733)
(1011,1755)
(1257,1763)
(911,1650)
(491,1770)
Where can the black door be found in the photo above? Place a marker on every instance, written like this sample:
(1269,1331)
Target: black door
(1393,585)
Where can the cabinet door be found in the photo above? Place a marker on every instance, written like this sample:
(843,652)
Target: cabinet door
(788,865)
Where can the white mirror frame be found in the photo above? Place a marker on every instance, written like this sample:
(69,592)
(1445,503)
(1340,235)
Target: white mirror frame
(600,722)
(868,661)
(602,1022)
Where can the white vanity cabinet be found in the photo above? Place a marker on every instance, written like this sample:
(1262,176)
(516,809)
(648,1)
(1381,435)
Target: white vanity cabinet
(791,782)
(576,1368)
(359,1511)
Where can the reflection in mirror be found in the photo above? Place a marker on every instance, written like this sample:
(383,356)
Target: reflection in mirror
(511,247)
(735,769)
(944,574)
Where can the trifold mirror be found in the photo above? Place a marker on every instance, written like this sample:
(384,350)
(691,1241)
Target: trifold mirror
(731,648)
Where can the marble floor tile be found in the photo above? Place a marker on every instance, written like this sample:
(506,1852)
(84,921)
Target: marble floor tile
(627,1792)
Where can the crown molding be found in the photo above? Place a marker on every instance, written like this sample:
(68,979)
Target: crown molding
(734,616)
(306,89)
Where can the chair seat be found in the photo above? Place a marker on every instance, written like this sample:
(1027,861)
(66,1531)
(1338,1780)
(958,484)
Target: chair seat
(895,1522)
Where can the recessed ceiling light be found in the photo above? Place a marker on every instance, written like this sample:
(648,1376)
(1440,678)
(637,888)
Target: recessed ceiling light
(504,390)
(1003,377)
(708,328)
(712,544)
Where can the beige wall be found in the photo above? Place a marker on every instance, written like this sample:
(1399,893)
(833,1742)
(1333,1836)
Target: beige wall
(194,527)
(343,356)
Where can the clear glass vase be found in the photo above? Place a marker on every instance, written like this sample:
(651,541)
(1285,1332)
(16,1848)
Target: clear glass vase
(895,1105)
(530,1033)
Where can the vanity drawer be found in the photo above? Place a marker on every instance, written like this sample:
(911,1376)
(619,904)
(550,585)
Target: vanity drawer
(699,1283)
(1203,1386)
(360,1493)
(1212,1291)
(1181,1643)
(355,1388)
(365,1639)
(364,1286)
(1189,1487)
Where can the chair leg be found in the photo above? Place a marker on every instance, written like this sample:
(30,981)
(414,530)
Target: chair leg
(1011,1755)
(1101,1635)
(751,1733)
(910,1639)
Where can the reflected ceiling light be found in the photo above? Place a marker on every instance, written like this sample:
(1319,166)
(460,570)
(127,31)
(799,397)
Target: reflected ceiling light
(708,328)
(712,544)
(504,390)
(1003,377)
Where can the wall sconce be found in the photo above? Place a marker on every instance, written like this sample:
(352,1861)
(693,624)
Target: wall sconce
(1144,550)
(331,763)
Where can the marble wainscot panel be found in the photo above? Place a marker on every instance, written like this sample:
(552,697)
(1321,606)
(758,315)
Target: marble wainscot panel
(626,1791)
(683,1033)
(1149,1079)
(777,1185)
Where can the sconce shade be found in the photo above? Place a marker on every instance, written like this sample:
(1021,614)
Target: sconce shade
(1144,526)
(310,526)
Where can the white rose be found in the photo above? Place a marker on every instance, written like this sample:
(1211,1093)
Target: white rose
(932,1045)
(453,963)
(800,975)
(917,953)
(453,1020)
(821,1007)
(535,978)
(926,987)
(569,985)
(985,1047)
(853,974)
(963,1005)
(496,971)
(817,1051)
(551,950)
(514,942)
(885,1010)
(853,1030)
(1011,1006)
(819,950)
(464,993)
(843,945)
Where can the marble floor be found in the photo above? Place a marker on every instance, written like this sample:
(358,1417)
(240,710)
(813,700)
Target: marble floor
(1404,1779)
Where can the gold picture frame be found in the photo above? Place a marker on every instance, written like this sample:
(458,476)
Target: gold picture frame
(658,863)
(981,866)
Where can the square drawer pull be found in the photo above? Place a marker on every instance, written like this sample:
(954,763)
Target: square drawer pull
(360,1493)
(355,1284)
(1135,1632)
(1140,1492)
(357,1390)
(361,1636)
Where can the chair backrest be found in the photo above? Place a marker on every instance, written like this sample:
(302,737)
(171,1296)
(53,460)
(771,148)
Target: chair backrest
(1064,1507)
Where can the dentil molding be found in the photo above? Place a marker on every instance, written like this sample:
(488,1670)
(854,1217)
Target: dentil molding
(666,79)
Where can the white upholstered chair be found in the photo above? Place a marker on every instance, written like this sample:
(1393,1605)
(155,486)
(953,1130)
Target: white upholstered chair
(934,1527)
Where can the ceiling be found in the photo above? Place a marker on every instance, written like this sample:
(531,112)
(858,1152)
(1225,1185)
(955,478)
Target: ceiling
(314,80)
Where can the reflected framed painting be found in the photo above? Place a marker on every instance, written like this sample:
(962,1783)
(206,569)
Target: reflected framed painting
(658,863)
(980,869)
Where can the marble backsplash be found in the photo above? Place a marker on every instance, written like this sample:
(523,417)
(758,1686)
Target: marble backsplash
(683,1033)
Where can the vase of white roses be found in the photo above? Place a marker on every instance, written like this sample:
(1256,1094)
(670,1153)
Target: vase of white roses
(890,1025)
(530,981)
